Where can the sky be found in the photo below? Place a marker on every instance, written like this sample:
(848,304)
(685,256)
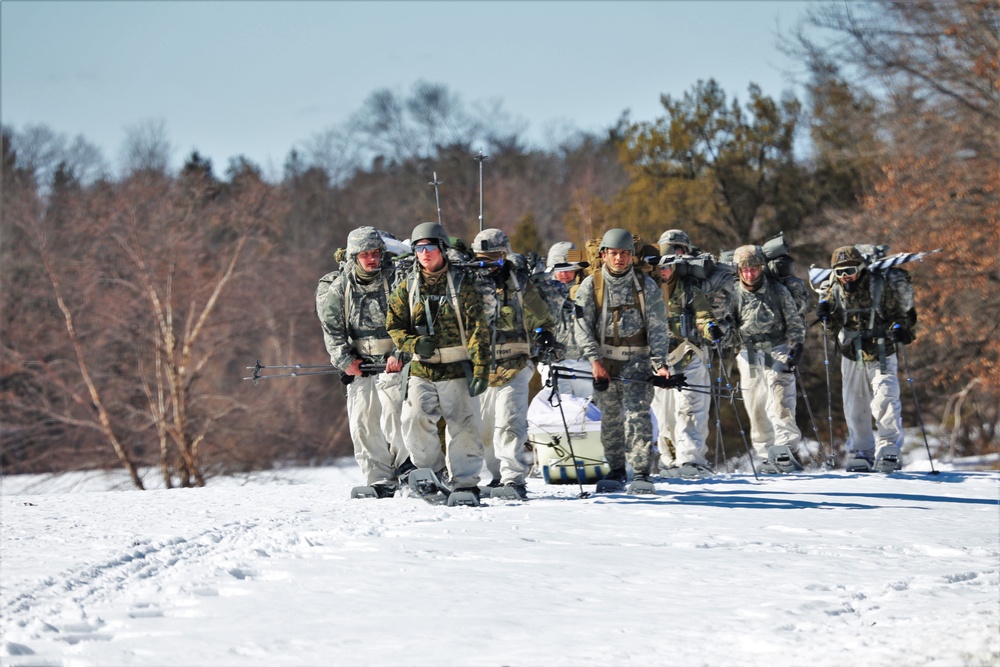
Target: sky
(282,568)
(260,78)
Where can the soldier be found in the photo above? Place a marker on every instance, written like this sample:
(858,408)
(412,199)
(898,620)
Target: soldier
(352,312)
(514,313)
(436,315)
(621,325)
(683,415)
(770,332)
(558,286)
(781,265)
(869,313)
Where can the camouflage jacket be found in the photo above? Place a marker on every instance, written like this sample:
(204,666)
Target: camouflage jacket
(800,293)
(556,297)
(625,326)
(353,315)
(406,324)
(767,315)
(858,322)
(510,324)
(688,314)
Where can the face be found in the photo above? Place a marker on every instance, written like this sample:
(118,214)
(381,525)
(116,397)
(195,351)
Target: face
(677,250)
(750,274)
(618,260)
(565,277)
(666,272)
(847,274)
(429,255)
(370,260)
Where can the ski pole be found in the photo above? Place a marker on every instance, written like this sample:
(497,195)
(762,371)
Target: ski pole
(916,404)
(739,420)
(812,420)
(719,447)
(480,158)
(437,199)
(831,459)
(258,367)
(554,379)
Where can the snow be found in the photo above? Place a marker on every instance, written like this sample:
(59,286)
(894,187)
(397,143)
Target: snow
(822,568)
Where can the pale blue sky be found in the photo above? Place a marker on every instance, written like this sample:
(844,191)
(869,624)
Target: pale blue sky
(258,78)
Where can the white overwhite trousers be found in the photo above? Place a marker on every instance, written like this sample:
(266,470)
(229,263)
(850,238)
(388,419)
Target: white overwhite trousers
(504,412)
(376,430)
(769,399)
(682,416)
(426,403)
(869,393)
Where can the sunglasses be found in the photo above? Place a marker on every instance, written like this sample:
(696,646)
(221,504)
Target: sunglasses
(847,271)
(429,247)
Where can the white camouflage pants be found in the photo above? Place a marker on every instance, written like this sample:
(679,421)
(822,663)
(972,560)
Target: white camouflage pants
(868,392)
(682,417)
(769,399)
(426,403)
(504,412)
(376,431)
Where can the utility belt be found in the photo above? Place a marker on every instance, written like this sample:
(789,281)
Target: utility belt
(683,352)
(623,352)
(756,342)
(447,355)
(374,347)
(855,340)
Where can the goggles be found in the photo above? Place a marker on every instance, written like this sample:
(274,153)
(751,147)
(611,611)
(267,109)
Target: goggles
(427,247)
(847,271)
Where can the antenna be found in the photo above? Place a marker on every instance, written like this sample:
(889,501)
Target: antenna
(437,197)
(480,158)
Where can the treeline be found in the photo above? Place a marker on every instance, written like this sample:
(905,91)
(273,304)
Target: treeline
(132,304)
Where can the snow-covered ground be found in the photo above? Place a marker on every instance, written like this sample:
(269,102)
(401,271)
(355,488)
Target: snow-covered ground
(283,569)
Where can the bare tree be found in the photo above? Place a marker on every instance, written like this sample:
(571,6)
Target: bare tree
(146,148)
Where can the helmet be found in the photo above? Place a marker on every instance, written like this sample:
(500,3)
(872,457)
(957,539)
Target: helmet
(619,239)
(364,239)
(749,255)
(491,240)
(429,230)
(674,237)
(845,256)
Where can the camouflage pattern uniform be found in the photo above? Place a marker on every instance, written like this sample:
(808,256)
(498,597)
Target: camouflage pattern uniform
(633,347)
(868,361)
(352,312)
(558,296)
(438,386)
(768,323)
(682,416)
(514,309)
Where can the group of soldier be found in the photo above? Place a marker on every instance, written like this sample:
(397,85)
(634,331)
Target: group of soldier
(438,350)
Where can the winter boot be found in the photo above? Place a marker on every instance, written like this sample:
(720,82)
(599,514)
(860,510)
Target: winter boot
(888,458)
(860,461)
(615,481)
(641,485)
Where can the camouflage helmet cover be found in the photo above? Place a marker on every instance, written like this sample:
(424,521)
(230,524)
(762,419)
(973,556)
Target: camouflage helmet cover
(491,240)
(674,237)
(619,239)
(430,230)
(558,258)
(364,239)
(845,256)
(749,255)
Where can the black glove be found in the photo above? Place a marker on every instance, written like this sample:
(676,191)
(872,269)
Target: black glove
(601,385)
(545,340)
(675,381)
(478,386)
(715,331)
(824,309)
(424,346)
(899,334)
(794,354)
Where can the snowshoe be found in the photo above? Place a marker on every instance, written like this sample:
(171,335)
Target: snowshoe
(468,496)
(613,483)
(688,470)
(423,483)
(640,486)
(888,459)
(510,491)
(380,489)
(364,492)
(782,458)
(859,462)
(767,468)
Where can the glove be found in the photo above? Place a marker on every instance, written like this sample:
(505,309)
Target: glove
(715,332)
(824,309)
(424,346)
(478,386)
(675,381)
(601,385)
(794,354)
(899,334)
(545,340)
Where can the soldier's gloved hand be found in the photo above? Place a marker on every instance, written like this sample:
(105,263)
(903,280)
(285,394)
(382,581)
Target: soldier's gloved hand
(478,386)
(424,346)
(824,309)
(900,334)
(601,385)
(715,331)
(545,340)
(794,354)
